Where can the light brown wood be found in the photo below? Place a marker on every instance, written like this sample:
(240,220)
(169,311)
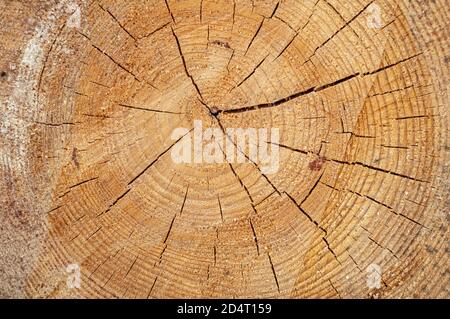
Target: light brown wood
(91,92)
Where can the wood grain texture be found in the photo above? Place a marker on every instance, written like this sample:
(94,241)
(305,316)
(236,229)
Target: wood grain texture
(91,92)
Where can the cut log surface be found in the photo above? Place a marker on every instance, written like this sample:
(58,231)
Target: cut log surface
(92,92)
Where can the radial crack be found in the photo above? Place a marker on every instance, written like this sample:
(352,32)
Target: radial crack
(115,62)
(115,202)
(252,72)
(339,30)
(220,208)
(168,9)
(197,89)
(254,36)
(168,232)
(243,186)
(131,267)
(157,158)
(117,21)
(392,65)
(255,237)
(311,189)
(154,31)
(291,97)
(184,200)
(83,182)
(146,109)
(274,273)
(305,213)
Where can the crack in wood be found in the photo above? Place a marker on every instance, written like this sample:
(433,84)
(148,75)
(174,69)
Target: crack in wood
(339,30)
(255,237)
(118,22)
(115,202)
(115,62)
(148,110)
(157,158)
(184,200)
(197,89)
(220,208)
(274,273)
(170,12)
(131,267)
(254,36)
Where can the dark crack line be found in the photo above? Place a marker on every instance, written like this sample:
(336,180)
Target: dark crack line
(355,134)
(98,266)
(275,9)
(339,30)
(118,22)
(54,124)
(292,96)
(323,230)
(100,84)
(340,16)
(45,62)
(270,104)
(255,237)
(293,149)
(157,158)
(154,31)
(184,200)
(310,16)
(392,65)
(335,289)
(274,273)
(354,261)
(151,288)
(305,213)
(168,232)
(95,232)
(131,267)
(83,182)
(265,198)
(392,91)
(331,250)
(359,164)
(170,12)
(254,36)
(251,73)
(234,13)
(201,11)
(243,186)
(148,110)
(311,189)
(381,170)
(337,82)
(389,208)
(197,89)
(220,208)
(376,243)
(245,155)
(115,62)
(54,209)
(115,202)
(287,46)
(411,117)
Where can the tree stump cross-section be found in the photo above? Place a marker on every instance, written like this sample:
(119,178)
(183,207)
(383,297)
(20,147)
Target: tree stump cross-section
(351,94)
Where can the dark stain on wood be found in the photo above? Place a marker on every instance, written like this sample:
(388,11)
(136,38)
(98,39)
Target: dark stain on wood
(75,157)
(222,44)
(317,164)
